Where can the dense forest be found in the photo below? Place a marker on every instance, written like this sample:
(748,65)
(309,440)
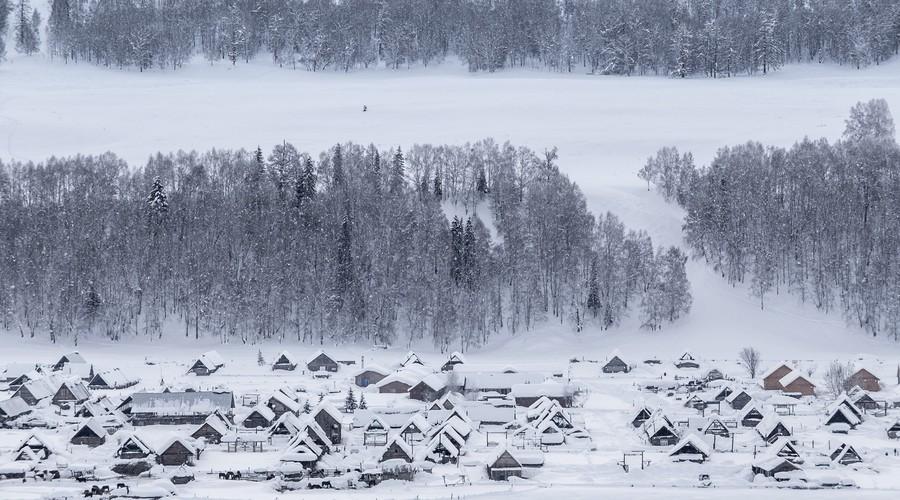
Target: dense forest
(446,243)
(715,38)
(820,220)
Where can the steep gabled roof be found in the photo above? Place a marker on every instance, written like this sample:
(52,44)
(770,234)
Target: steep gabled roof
(93,426)
(124,438)
(13,407)
(774,368)
(285,400)
(692,444)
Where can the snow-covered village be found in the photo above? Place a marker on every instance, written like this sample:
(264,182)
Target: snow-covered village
(449,249)
(245,426)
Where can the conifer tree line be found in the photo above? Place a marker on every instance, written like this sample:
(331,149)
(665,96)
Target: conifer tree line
(715,38)
(818,220)
(451,244)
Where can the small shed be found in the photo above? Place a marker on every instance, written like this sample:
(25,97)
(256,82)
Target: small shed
(112,379)
(771,428)
(845,454)
(750,416)
(640,416)
(212,430)
(133,447)
(455,359)
(893,431)
(285,361)
(687,360)
(738,399)
(207,364)
(774,466)
(508,463)
(795,383)
(72,357)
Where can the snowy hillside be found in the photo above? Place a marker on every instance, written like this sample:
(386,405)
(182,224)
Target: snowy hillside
(605,128)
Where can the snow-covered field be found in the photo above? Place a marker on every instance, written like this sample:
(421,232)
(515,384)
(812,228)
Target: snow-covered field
(605,128)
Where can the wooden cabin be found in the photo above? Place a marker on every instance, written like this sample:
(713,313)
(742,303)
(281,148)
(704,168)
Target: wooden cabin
(616,365)
(795,383)
(686,360)
(866,380)
(430,388)
(65,359)
(178,408)
(285,361)
(212,430)
(370,375)
(641,416)
(751,416)
(112,379)
(321,362)
(71,393)
(771,378)
(455,359)
(35,391)
(177,452)
(528,394)
(90,434)
(260,417)
(738,399)
(13,408)
(507,463)
(893,431)
(774,467)
(330,420)
(397,449)
(133,448)
(771,428)
(846,455)
(280,403)
(691,448)
(207,364)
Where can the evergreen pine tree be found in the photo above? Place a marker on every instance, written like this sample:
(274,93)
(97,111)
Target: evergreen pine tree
(307,408)
(260,360)
(26,38)
(350,402)
(362,401)
(157,203)
(398,171)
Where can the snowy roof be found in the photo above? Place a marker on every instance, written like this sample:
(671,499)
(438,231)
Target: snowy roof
(434,381)
(289,421)
(456,357)
(181,403)
(848,415)
(791,377)
(211,359)
(490,413)
(418,421)
(498,380)
(696,441)
(411,358)
(13,407)
(524,458)
(41,388)
(288,356)
(769,462)
(72,357)
(329,409)
(263,411)
(403,377)
(124,437)
(94,426)
(301,450)
(284,399)
(374,369)
(768,424)
(550,389)
(774,368)
(316,354)
(401,443)
(78,389)
(168,443)
(114,378)
(734,395)
(79,370)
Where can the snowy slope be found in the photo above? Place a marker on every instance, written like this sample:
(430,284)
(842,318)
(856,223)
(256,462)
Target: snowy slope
(605,128)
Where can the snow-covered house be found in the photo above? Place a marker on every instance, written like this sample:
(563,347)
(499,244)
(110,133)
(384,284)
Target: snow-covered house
(213,428)
(208,363)
(866,380)
(615,364)
(410,359)
(687,360)
(796,383)
(37,390)
(773,466)
(845,454)
(430,388)
(280,403)
(91,433)
(396,449)
(455,359)
(287,424)
(177,451)
(132,447)
(659,431)
(772,377)
(640,416)
(369,375)
(71,392)
(507,463)
(285,361)
(330,420)
(397,383)
(784,448)
(178,408)
(771,428)
(893,431)
(738,399)
(415,428)
(839,414)
(13,408)
(528,394)
(112,379)
(715,427)
(499,382)
(691,448)
(260,417)
(33,447)
(71,358)
(321,362)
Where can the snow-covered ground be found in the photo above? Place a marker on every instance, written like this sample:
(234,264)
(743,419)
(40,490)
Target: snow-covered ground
(605,128)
